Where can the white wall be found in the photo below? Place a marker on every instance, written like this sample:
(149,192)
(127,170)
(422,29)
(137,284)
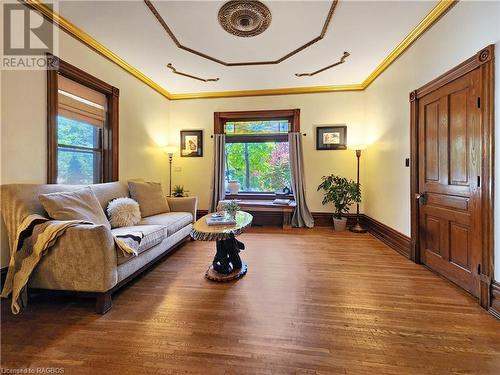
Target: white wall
(316,109)
(467,28)
(143,121)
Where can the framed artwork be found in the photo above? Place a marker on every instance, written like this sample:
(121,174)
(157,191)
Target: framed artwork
(191,143)
(331,137)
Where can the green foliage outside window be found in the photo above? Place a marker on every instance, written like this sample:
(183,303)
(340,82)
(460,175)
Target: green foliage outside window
(259,167)
(76,166)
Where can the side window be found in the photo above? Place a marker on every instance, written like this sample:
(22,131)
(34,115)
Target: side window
(82,127)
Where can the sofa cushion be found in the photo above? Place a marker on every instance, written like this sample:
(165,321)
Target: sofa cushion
(108,191)
(152,235)
(150,197)
(81,204)
(123,212)
(174,221)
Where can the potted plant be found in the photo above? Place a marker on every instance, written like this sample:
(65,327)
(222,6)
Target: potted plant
(231,207)
(178,191)
(342,193)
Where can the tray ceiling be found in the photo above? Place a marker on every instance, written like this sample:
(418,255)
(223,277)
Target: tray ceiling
(368,30)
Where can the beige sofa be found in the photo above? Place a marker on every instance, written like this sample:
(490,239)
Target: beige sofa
(84,259)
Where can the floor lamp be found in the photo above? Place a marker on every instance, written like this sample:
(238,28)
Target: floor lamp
(170,150)
(358,228)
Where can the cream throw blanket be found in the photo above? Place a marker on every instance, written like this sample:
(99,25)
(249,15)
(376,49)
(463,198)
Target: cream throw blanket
(34,237)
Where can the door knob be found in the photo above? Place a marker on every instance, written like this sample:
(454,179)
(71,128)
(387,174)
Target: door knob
(421,197)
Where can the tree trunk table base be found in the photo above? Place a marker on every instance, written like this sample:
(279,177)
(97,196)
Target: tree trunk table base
(213,275)
(227,264)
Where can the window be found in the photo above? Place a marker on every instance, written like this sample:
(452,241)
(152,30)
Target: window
(82,128)
(256,151)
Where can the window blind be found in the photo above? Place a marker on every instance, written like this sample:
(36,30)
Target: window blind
(81,103)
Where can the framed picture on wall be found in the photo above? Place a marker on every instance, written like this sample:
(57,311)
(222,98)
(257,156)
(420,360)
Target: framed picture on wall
(331,137)
(191,143)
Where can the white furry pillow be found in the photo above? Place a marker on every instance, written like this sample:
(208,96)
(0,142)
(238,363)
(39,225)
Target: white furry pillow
(123,212)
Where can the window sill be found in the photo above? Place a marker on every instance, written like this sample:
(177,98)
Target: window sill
(258,196)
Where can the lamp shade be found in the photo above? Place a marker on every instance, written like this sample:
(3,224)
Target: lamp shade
(169,149)
(357,147)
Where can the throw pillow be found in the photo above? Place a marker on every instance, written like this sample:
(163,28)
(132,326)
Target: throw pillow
(81,204)
(123,212)
(150,197)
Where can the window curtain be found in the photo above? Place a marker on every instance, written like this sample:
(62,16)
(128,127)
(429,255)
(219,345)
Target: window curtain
(302,216)
(218,179)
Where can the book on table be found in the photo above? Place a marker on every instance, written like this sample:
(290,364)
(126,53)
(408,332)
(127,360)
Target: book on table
(220,220)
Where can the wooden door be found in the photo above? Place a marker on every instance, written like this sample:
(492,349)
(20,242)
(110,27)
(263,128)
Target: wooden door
(449,181)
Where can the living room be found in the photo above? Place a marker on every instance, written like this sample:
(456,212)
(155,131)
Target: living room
(341,118)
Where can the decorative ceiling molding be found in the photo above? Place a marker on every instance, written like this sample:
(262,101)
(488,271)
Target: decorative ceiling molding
(442,7)
(434,15)
(171,67)
(341,61)
(171,34)
(245,18)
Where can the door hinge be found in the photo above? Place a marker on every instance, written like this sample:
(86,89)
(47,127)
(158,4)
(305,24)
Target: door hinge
(478,102)
(478,181)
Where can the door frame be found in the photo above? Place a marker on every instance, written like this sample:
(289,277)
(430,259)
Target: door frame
(483,60)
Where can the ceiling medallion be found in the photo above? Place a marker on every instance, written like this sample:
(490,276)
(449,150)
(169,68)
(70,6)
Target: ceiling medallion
(244,18)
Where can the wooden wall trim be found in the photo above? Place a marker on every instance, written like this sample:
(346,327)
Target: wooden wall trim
(482,57)
(293,115)
(325,219)
(391,237)
(495,299)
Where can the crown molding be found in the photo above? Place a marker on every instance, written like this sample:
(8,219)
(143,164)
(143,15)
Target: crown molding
(267,92)
(86,39)
(432,17)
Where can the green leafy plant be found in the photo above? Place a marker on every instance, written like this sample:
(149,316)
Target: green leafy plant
(341,192)
(178,191)
(231,207)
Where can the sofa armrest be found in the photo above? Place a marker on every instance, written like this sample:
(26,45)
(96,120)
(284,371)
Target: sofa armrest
(82,259)
(184,204)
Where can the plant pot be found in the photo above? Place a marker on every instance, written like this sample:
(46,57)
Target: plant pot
(339,224)
(233,187)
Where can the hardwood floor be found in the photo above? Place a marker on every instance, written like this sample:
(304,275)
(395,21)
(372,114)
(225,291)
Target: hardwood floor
(313,302)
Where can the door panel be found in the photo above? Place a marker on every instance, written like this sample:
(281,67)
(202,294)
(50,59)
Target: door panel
(458,138)
(449,163)
(432,142)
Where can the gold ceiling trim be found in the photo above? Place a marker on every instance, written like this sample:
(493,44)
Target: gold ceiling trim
(171,67)
(267,92)
(176,41)
(434,15)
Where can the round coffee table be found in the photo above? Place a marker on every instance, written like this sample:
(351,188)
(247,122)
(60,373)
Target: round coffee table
(227,264)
